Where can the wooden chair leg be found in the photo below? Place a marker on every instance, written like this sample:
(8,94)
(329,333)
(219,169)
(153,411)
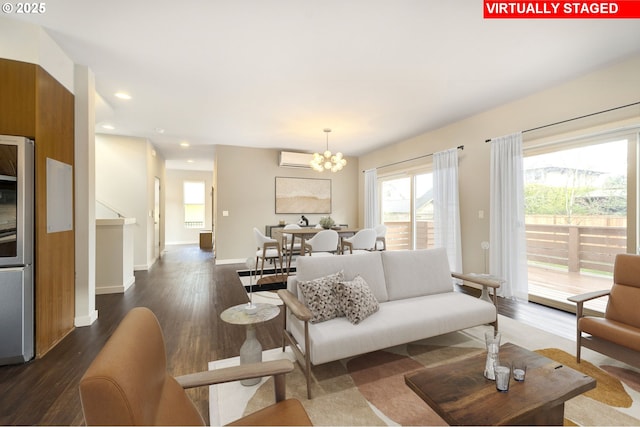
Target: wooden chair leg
(578,346)
(579,313)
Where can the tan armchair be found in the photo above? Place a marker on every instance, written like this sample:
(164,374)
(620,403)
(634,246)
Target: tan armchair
(617,334)
(128,382)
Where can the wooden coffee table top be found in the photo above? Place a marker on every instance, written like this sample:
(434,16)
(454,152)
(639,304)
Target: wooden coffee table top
(461,395)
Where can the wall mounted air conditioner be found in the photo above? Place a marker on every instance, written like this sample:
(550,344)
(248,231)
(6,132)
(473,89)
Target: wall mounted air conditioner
(290,159)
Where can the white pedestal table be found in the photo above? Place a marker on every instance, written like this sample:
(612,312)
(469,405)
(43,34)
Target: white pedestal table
(251,349)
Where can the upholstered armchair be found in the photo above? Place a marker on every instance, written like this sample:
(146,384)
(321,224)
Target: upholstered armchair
(617,334)
(128,383)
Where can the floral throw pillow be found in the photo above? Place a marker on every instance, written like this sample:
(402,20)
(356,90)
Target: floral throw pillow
(356,300)
(320,297)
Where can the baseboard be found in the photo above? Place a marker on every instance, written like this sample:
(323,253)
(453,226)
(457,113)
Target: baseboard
(115,289)
(231,261)
(88,320)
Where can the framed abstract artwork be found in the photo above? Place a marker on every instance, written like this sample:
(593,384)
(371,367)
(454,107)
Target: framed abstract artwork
(303,195)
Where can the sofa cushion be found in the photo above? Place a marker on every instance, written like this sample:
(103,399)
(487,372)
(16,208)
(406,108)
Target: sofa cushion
(610,330)
(320,296)
(356,300)
(410,274)
(368,265)
(396,322)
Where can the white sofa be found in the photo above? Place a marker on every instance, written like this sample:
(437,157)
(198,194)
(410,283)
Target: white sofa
(416,297)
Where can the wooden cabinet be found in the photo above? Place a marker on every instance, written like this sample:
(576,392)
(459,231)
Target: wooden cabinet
(206,239)
(37,106)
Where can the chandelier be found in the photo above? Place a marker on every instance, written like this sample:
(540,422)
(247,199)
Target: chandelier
(326,160)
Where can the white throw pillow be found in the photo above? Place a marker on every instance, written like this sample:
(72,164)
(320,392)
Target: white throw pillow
(319,295)
(356,300)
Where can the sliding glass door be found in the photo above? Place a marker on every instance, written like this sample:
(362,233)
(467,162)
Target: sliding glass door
(577,214)
(407,210)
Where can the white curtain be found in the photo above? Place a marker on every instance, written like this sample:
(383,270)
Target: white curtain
(446,207)
(507,253)
(371,212)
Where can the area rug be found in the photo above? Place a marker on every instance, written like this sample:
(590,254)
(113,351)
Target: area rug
(263,290)
(271,279)
(370,389)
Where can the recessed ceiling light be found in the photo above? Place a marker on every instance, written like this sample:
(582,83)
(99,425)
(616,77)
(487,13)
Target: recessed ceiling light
(122,95)
(189,161)
(184,144)
(108,126)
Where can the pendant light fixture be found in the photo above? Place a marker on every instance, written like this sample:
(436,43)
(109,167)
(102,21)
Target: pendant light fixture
(334,163)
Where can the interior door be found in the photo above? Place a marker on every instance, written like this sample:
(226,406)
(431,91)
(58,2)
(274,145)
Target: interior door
(156,218)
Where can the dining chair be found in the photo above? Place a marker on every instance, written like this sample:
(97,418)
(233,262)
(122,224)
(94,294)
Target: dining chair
(286,243)
(381,239)
(324,243)
(363,241)
(268,248)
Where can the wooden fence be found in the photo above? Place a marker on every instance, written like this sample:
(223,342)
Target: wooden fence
(573,247)
(576,247)
(399,235)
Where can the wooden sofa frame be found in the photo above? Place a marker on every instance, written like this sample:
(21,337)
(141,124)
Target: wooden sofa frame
(299,310)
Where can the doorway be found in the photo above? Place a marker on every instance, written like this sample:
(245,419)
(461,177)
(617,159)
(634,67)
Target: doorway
(156,218)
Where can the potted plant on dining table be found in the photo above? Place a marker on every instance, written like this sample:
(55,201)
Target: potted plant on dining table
(327,222)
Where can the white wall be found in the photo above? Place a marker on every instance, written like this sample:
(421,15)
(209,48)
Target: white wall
(175,231)
(85,197)
(616,85)
(125,170)
(245,188)
(25,42)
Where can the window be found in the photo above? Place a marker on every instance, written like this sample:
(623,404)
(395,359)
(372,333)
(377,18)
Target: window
(194,208)
(407,211)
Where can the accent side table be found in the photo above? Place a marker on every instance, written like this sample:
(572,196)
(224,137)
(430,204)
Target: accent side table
(251,349)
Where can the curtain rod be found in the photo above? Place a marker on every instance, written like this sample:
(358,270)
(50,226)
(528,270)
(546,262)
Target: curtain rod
(459,147)
(576,118)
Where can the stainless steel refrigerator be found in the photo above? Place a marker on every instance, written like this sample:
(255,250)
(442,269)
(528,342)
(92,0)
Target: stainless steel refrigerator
(16,249)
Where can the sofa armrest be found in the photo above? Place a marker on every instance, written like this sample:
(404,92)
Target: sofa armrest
(297,308)
(477,279)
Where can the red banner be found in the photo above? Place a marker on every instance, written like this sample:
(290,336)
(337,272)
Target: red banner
(622,9)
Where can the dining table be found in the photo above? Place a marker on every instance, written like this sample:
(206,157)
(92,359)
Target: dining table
(305,233)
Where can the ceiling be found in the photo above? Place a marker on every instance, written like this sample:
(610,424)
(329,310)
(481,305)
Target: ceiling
(275,73)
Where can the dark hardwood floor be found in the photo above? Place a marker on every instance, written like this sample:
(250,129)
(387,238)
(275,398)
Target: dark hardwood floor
(187,292)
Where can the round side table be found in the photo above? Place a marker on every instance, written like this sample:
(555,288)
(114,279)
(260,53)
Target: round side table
(251,350)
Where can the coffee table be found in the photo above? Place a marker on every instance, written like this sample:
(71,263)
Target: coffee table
(461,395)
